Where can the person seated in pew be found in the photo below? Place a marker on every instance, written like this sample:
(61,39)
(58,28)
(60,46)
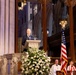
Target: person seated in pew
(71,67)
(28,36)
(55,67)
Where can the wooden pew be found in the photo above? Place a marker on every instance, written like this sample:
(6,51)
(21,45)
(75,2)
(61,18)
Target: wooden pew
(59,73)
(68,73)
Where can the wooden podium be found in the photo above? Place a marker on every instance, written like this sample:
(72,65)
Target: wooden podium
(32,43)
(68,73)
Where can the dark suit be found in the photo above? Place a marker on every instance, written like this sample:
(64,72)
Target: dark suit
(26,38)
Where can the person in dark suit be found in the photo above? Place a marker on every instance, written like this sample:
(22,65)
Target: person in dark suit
(28,36)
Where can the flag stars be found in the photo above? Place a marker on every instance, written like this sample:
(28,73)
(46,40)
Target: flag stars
(63,53)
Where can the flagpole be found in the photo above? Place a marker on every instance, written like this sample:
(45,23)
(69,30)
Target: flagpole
(64,59)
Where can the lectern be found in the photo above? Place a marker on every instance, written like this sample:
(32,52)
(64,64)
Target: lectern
(32,43)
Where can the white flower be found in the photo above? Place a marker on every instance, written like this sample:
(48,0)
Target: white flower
(34,56)
(40,61)
(37,66)
(41,72)
(27,53)
(41,65)
(36,69)
(32,68)
(26,72)
(36,73)
(22,68)
(46,60)
(31,57)
(44,67)
(28,64)
(49,58)
(26,68)
(35,62)
(22,62)
(25,60)
(47,64)
(32,74)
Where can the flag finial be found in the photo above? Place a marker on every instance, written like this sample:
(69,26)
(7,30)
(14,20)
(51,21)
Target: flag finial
(63,23)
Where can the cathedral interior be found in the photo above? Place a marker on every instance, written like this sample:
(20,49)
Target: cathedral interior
(56,10)
(44,18)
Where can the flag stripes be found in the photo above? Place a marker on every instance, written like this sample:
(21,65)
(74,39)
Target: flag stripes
(63,54)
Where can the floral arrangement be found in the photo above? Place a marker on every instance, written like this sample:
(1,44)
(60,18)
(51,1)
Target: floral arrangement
(35,62)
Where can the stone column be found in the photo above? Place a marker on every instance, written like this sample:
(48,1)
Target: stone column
(7,26)
(2,23)
(71,4)
(12,26)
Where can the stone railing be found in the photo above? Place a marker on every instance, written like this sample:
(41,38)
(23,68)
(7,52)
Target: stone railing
(9,64)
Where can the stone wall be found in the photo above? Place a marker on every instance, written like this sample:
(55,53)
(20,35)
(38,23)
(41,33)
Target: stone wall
(9,64)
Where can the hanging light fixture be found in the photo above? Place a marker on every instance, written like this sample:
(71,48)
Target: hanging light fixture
(21,4)
(24,2)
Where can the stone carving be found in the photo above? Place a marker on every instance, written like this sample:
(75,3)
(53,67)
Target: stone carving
(0,64)
(14,66)
(14,63)
(9,64)
(4,70)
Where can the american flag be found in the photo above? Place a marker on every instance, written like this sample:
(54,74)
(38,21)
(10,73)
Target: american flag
(64,60)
